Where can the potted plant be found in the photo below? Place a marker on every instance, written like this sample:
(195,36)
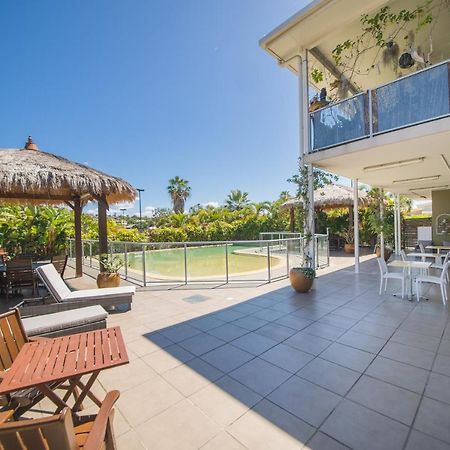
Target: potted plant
(349,237)
(302,278)
(109,271)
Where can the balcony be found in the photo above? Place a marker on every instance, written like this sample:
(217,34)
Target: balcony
(417,98)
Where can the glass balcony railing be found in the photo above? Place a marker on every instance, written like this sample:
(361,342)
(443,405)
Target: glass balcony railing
(413,99)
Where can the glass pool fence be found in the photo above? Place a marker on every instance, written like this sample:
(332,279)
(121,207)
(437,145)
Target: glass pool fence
(153,263)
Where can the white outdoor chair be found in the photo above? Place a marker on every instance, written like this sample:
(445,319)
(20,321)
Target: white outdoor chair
(422,248)
(440,265)
(441,281)
(403,255)
(385,275)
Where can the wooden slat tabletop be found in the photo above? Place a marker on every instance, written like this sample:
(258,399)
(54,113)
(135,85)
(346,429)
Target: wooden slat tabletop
(51,360)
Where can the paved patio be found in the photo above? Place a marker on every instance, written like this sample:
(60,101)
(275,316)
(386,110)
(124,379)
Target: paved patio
(266,368)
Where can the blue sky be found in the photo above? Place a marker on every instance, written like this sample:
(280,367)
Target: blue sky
(147,90)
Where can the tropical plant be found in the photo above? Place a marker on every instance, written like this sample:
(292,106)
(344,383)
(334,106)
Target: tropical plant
(179,191)
(237,200)
(347,234)
(110,264)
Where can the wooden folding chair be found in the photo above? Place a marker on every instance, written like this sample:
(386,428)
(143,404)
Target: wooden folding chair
(60,263)
(20,274)
(63,431)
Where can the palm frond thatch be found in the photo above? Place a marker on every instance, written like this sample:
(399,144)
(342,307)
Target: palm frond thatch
(331,196)
(47,178)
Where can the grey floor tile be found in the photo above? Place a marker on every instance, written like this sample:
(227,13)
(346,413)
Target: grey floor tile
(321,441)
(382,319)
(442,365)
(228,315)
(206,323)
(444,348)
(338,321)
(286,307)
(420,441)
(305,400)
(438,387)
(362,429)
(201,343)
(204,369)
(409,355)
(329,375)
(349,357)
(227,358)
(246,308)
(373,329)
(351,313)
(260,376)
(392,401)
(289,423)
(287,357)
(275,331)
(179,332)
(268,314)
(254,343)
(295,323)
(324,330)
(429,343)
(228,332)
(362,341)
(250,323)
(238,391)
(400,374)
(433,418)
(308,343)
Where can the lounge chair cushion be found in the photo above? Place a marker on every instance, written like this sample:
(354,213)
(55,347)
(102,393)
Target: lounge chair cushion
(48,323)
(53,281)
(100,294)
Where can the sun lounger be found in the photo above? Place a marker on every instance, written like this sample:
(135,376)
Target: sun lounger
(66,322)
(66,299)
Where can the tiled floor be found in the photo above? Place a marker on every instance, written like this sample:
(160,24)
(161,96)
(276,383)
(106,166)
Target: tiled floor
(266,368)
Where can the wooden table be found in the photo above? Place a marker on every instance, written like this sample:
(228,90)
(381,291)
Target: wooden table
(409,265)
(66,358)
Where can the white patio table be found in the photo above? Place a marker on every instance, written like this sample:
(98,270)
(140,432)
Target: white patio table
(438,248)
(409,266)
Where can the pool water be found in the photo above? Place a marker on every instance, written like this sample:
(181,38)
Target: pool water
(205,261)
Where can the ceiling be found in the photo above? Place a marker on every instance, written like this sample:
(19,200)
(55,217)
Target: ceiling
(428,141)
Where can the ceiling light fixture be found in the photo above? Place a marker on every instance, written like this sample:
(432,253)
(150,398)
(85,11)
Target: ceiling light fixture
(411,180)
(445,161)
(442,186)
(405,162)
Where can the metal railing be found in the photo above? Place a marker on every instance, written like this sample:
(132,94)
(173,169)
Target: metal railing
(152,263)
(416,98)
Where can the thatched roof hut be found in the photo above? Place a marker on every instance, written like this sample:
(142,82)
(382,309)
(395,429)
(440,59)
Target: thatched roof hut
(39,177)
(331,196)
(29,175)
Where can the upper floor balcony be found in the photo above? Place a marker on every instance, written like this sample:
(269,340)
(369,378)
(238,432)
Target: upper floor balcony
(414,99)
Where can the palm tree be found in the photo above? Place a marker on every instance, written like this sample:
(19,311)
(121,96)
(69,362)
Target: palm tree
(262,207)
(237,200)
(179,190)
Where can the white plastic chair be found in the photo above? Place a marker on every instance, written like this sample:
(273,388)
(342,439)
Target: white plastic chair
(385,275)
(441,281)
(422,247)
(403,255)
(440,265)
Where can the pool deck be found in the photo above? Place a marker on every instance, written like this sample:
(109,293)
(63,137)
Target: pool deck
(262,367)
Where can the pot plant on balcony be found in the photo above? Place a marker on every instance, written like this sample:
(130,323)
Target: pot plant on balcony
(109,272)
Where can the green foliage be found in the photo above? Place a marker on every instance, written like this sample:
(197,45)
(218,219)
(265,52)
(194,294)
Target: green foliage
(237,200)
(110,264)
(308,272)
(316,75)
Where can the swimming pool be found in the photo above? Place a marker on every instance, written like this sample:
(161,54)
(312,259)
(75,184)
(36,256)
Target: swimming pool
(203,261)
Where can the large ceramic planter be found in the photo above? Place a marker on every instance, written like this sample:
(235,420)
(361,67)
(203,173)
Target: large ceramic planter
(387,253)
(299,282)
(349,248)
(107,280)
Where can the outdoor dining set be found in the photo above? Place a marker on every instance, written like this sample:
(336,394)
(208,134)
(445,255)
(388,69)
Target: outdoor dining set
(418,270)
(55,350)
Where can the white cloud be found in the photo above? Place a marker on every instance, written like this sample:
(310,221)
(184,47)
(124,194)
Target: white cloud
(212,204)
(148,211)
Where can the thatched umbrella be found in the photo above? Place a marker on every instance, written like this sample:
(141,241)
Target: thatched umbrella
(331,196)
(32,176)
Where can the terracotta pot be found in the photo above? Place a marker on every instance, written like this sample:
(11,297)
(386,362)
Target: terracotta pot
(349,248)
(107,280)
(299,282)
(387,253)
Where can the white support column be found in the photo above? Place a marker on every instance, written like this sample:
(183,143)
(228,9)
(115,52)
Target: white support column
(399,224)
(356,223)
(382,217)
(396,248)
(304,132)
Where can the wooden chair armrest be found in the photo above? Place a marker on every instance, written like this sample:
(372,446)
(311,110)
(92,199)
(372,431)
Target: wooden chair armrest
(98,431)
(38,338)
(2,374)
(6,415)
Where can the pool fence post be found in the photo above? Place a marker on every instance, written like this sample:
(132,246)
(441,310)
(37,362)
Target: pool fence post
(185,264)
(125,260)
(226,262)
(90,254)
(268,263)
(143,266)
